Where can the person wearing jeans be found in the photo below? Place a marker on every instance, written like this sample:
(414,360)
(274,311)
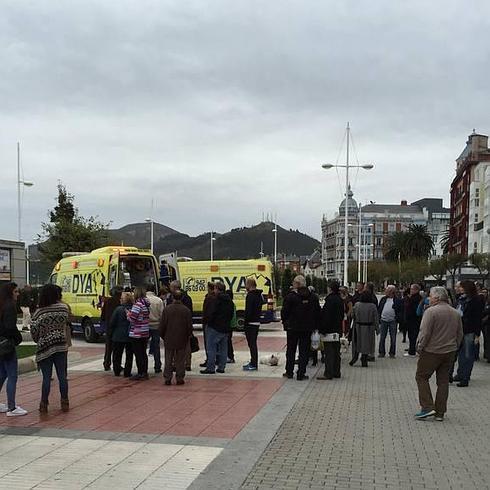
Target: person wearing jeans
(156,309)
(120,336)
(390,310)
(253,312)
(217,331)
(412,319)
(472,313)
(48,330)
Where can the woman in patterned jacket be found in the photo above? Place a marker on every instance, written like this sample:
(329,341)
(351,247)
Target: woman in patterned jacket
(48,329)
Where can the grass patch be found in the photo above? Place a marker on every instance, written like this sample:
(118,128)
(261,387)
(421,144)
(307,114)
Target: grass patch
(25,351)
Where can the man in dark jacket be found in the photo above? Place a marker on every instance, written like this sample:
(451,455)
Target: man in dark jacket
(119,328)
(300,316)
(412,320)
(217,331)
(207,308)
(390,311)
(175,330)
(253,312)
(108,308)
(331,331)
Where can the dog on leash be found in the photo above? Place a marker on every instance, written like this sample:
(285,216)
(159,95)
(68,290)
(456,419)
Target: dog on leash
(271,360)
(344,344)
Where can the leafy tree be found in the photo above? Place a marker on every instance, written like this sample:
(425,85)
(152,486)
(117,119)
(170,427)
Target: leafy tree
(419,243)
(454,262)
(438,268)
(445,238)
(67,231)
(482,263)
(413,271)
(286,282)
(415,243)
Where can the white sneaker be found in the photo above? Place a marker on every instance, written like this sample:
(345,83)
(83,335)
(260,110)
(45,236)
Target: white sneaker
(17,412)
(3,408)
(408,355)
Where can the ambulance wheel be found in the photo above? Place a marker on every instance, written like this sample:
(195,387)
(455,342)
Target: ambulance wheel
(240,322)
(89,331)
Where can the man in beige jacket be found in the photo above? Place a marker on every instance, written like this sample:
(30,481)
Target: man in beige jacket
(156,310)
(441,333)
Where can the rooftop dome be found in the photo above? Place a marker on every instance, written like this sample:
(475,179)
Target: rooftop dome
(352,207)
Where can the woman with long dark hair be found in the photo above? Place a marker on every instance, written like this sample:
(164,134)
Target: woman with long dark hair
(471,310)
(10,337)
(48,329)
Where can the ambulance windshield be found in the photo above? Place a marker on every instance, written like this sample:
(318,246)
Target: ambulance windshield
(136,272)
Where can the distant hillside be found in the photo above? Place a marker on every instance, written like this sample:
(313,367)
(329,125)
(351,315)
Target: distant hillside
(138,234)
(239,243)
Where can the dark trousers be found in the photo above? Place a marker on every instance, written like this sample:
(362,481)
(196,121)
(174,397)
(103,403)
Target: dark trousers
(426,365)
(466,357)
(413,333)
(300,340)
(332,359)
(486,342)
(108,351)
(155,348)
(117,351)
(251,333)
(231,351)
(139,351)
(58,359)
(175,358)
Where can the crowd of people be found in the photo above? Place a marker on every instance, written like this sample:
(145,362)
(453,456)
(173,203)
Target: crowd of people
(444,331)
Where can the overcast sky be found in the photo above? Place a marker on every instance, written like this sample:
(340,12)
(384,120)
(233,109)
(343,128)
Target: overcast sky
(221,110)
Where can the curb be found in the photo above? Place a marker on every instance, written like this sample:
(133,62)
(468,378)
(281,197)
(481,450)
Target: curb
(28,364)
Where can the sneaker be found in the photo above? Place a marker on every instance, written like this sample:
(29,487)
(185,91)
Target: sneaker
(302,378)
(381,356)
(392,356)
(423,414)
(221,371)
(439,417)
(462,384)
(408,355)
(180,382)
(286,375)
(249,367)
(158,371)
(456,378)
(203,364)
(205,371)
(17,412)
(3,408)
(245,366)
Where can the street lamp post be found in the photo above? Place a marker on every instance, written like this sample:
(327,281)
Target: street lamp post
(347,166)
(365,253)
(25,183)
(212,245)
(275,243)
(150,220)
(359,241)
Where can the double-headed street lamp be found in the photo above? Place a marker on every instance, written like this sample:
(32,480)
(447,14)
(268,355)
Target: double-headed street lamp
(347,166)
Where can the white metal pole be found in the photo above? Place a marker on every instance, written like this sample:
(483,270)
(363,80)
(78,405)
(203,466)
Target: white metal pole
(19,232)
(152,235)
(275,244)
(212,247)
(346,223)
(359,241)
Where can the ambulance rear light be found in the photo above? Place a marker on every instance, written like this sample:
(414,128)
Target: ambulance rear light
(58,267)
(100,262)
(74,264)
(261,267)
(214,268)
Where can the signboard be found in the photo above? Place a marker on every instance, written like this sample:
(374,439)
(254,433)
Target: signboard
(5,265)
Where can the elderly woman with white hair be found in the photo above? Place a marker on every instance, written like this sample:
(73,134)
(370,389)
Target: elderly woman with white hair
(300,316)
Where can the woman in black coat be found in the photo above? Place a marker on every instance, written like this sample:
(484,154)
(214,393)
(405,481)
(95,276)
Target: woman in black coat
(9,332)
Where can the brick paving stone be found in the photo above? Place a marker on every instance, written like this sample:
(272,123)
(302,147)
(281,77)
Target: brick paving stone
(360,432)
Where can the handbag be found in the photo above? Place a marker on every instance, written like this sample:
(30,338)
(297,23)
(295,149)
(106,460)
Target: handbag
(194,341)
(7,347)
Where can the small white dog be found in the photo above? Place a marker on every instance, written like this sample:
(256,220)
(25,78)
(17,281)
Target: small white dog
(271,360)
(344,344)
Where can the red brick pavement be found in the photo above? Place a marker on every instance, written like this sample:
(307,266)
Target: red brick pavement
(203,407)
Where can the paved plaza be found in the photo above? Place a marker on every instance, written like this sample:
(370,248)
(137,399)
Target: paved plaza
(246,430)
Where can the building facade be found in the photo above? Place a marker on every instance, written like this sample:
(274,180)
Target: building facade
(12,262)
(371,225)
(469,230)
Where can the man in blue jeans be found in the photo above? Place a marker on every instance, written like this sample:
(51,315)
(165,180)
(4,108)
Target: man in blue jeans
(390,311)
(217,331)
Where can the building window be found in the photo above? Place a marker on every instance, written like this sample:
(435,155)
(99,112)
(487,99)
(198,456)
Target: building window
(392,226)
(475,247)
(476,217)
(477,192)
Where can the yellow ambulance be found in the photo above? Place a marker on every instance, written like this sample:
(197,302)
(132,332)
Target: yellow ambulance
(194,276)
(87,278)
